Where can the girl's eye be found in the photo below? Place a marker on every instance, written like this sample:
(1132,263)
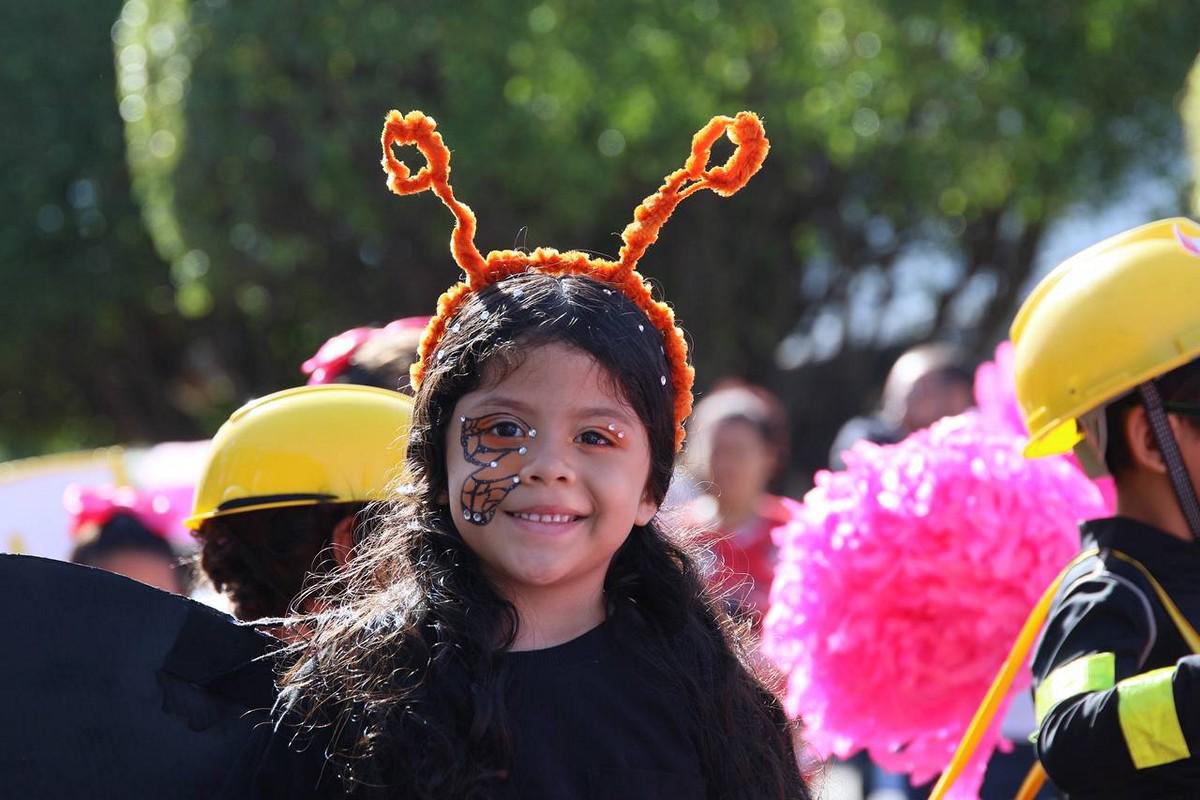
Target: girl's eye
(499,433)
(506,429)
(594,438)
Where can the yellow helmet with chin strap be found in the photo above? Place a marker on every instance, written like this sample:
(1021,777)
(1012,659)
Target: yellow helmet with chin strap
(333,443)
(1105,321)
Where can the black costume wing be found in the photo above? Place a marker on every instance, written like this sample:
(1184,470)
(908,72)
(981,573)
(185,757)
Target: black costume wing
(113,689)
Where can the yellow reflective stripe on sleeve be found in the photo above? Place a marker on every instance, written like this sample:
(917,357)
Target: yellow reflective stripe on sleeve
(1093,673)
(1146,708)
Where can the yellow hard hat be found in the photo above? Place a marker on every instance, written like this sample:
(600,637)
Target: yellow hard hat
(1114,316)
(335,443)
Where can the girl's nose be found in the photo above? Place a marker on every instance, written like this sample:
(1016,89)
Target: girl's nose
(547,463)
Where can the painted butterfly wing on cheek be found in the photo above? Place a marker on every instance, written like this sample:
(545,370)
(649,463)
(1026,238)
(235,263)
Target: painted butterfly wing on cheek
(498,458)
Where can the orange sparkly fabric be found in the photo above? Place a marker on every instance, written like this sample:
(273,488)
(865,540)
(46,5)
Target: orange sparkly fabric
(751,146)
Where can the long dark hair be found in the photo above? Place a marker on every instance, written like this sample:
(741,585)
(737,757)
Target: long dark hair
(402,667)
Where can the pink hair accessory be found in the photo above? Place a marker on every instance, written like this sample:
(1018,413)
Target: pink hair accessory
(902,581)
(408,324)
(331,359)
(97,505)
(333,356)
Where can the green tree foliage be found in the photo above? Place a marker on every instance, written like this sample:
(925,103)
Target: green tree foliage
(89,341)
(899,127)
(965,126)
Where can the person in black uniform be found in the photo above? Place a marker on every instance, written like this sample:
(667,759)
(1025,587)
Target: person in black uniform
(1106,352)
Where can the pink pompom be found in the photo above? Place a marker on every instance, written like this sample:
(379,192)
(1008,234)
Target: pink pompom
(903,580)
(996,391)
(996,398)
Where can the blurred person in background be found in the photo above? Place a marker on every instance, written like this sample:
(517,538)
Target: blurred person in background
(927,382)
(737,445)
(369,356)
(116,530)
(286,489)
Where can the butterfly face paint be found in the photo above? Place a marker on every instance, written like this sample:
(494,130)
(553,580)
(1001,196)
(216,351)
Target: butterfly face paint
(495,444)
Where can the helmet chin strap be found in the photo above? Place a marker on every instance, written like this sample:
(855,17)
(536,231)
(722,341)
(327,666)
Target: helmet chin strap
(1181,482)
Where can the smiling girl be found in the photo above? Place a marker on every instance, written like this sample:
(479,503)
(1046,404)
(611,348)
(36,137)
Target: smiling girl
(523,626)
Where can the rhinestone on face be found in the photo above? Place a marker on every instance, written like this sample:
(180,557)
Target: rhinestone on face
(533,433)
(642,328)
(479,517)
(612,427)
(467,514)
(516,478)
(523,451)
(462,419)
(621,435)
(494,464)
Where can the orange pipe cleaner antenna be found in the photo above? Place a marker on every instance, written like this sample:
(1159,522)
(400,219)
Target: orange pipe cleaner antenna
(751,146)
(418,129)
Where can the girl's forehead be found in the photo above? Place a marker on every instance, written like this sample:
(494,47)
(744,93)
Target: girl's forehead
(552,378)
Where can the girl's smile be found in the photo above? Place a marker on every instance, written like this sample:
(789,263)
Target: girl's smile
(547,517)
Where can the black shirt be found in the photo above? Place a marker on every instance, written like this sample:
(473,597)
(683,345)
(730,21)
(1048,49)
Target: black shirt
(1106,606)
(588,719)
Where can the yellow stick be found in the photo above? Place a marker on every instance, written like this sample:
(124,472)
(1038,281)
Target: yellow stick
(997,692)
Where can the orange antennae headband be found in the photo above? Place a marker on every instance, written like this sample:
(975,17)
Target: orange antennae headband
(751,146)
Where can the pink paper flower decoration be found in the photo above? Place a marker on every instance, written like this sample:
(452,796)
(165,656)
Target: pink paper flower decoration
(160,511)
(903,580)
(332,358)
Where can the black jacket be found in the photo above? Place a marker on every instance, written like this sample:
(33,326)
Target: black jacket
(1116,685)
(114,690)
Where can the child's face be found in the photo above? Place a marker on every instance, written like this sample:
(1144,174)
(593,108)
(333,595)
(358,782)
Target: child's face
(740,464)
(148,568)
(550,466)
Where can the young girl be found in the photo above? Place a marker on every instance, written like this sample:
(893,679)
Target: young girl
(523,627)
